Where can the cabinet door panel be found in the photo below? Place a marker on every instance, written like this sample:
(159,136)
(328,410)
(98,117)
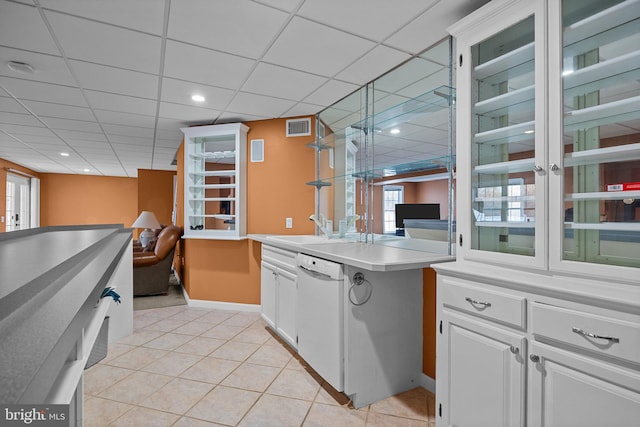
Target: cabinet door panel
(485,374)
(572,390)
(268,275)
(286,308)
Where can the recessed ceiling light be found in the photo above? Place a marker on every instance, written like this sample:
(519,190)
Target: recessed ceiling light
(86,170)
(197,98)
(64,154)
(394,131)
(20,67)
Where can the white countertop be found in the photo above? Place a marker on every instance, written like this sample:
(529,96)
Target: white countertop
(373,257)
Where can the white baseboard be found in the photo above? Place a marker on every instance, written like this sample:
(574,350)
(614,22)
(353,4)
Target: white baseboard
(220,305)
(428,383)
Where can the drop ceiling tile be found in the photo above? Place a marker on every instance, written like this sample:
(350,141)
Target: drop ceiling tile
(188,113)
(10,105)
(47,68)
(438,53)
(282,82)
(286,5)
(180,92)
(19,119)
(431,26)
(127,131)
(121,103)
(168,143)
(49,138)
(115,80)
(330,92)
(88,136)
(171,124)
(302,109)
(142,15)
(105,44)
(192,63)
(143,150)
(230,117)
(372,65)
(22,27)
(47,109)
(215,25)
(127,119)
(19,131)
(305,45)
(373,19)
(76,125)
(259,105)
(170,134)
(132,140)
(37,91)
(428,83)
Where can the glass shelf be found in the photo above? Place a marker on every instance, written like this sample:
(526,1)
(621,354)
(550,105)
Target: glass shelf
(619,153)
(512,166)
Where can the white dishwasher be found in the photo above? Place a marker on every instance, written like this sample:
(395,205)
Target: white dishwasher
(320,317)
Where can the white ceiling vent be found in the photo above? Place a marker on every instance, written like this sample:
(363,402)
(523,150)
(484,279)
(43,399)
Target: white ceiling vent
(299,127)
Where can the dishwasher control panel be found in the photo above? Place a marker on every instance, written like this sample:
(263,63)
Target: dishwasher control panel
(320,266)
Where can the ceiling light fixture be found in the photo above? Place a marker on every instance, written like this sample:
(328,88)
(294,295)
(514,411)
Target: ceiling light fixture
(64,154)
(20,67)
(394,131)
(529,131)
(197,98)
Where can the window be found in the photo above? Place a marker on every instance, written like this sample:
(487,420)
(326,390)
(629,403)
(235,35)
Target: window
(517,204)
(392,195)
(18,216)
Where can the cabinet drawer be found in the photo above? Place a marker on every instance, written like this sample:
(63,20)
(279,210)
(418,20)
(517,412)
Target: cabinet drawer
(490,304)
(279,257)
(603,335)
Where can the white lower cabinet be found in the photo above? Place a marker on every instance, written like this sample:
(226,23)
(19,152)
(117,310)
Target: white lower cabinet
(511,354)
(486,374)
(569,389)
(278,288)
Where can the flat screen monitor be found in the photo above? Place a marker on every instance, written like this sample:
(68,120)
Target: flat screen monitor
(416,211)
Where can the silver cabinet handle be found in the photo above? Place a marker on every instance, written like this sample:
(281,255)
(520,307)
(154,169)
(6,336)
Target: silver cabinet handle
(534,358)
(474,302)
(538,168)
(514,349)
(553,167)
(590,335)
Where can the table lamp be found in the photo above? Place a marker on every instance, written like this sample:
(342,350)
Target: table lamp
(149,222)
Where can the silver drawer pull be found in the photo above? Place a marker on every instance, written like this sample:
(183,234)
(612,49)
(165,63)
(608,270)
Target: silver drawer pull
(590,335)
(474,302)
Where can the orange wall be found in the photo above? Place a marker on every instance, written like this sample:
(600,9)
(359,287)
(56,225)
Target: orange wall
(4,166)
(229,271)
(155,193)
(82,199)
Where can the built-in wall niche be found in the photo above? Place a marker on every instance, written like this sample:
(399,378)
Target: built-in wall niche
(397,127)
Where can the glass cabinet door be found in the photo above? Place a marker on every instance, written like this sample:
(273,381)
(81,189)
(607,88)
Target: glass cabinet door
(504,180)
(601,131)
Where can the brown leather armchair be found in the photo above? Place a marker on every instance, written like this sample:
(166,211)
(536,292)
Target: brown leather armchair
(151,270)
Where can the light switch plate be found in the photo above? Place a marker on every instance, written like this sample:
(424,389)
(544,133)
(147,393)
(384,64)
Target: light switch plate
(289,222)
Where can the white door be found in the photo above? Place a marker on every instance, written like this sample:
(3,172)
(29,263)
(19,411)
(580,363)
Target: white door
(268,280)
(18,212)
(568,389)
(486,375)
(286,306)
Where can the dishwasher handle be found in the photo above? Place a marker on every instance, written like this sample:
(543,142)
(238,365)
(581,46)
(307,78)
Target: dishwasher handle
(313,272)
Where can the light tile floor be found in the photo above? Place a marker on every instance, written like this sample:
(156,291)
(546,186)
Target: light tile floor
(186,366)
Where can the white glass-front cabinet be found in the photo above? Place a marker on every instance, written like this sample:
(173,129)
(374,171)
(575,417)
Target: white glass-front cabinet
(215,181)
(548,135)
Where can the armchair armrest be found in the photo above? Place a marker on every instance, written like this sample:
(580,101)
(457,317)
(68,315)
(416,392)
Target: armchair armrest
(143,259)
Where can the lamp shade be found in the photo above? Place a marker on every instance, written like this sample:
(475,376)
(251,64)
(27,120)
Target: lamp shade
(146,220)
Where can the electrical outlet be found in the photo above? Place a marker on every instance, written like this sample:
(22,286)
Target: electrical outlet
(288,222)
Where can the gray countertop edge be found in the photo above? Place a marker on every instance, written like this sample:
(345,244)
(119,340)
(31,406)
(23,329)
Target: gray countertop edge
(38,337)
(362,255)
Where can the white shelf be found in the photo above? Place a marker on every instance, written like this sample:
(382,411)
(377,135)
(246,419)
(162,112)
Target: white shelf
(505,199)
(230,172)
(603,74)
(217,216)
(507,100)
(514,166)
(214,155)
(508,60)
(601,28)
(620,153)
(507,134)
(612,112)
(607,226)
(604,195)
(213,186)
(501,224)
(212,199)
